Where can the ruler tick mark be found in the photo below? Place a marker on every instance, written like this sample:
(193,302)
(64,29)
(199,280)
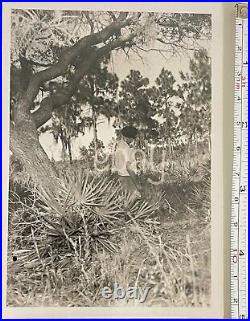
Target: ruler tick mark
(239,221)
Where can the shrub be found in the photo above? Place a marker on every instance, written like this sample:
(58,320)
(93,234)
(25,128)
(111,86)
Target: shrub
(63,250)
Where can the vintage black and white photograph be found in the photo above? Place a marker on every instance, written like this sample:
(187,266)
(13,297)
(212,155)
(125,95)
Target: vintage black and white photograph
(109,161)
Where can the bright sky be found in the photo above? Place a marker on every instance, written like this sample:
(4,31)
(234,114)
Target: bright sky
(150,67)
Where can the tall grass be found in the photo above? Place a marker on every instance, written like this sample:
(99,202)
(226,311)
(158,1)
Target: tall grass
(64,250)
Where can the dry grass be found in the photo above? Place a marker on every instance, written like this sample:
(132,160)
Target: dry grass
(63,251)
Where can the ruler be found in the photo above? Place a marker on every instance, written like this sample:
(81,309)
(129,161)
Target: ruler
(239,214)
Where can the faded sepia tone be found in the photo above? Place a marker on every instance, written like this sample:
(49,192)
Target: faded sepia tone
(75,227)
(88,232)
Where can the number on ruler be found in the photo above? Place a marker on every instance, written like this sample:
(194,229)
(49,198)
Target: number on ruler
(235,258)
(243,124)
(239,253)
(242,188)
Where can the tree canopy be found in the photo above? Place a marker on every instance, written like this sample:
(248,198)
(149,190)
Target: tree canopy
(58,63)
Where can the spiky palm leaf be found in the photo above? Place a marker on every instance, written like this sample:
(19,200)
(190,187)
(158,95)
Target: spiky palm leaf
(87,215)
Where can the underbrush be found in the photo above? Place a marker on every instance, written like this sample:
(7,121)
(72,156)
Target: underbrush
(64,250)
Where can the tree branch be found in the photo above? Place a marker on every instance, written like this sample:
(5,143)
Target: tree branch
(112,15)
(90,22)
(68,56)
(40,64)
(59,99)
(174,44)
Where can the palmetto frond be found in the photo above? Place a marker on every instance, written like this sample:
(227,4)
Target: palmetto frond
(87,214)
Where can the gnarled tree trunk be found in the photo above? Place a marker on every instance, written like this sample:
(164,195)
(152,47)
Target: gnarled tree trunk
(24,142)
(25,145)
